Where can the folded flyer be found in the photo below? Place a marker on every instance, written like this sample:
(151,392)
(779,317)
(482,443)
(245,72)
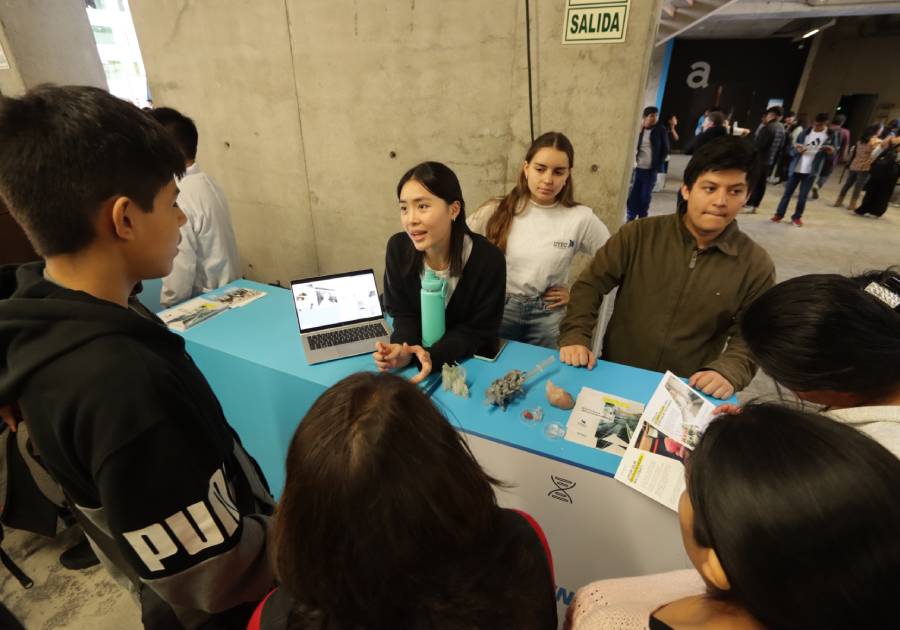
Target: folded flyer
(667,432)
(236,297)
(189,314)
(603,421)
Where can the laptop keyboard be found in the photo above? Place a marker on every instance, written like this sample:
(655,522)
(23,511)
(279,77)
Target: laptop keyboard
(348,335)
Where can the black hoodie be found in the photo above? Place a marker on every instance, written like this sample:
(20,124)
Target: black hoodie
(128,426)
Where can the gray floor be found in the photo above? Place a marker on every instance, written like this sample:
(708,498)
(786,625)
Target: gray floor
(832,241)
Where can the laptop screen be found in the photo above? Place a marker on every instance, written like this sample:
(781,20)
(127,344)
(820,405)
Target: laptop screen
(333,301)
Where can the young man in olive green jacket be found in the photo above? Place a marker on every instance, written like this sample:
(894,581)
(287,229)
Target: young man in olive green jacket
(684,280)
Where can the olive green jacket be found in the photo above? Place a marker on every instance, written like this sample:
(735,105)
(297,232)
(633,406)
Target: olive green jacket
(678,306)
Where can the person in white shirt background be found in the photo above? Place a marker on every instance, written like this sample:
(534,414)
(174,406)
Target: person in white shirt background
(539,226)
(207,254)
(812,147)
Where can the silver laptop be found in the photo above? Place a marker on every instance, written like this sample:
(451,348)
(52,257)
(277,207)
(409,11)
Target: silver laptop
(339,315)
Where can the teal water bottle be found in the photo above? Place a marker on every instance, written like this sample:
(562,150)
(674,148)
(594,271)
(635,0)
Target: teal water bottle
(434,289)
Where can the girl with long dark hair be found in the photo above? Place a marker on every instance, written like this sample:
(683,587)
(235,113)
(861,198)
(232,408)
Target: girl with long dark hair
(859,166)
(790,520)
(834,341)
(387,522)
(883,175)
(539,226)
(435,237)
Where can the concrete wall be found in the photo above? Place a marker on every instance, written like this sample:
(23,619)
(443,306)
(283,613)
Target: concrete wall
(10,79)
(850,63)
(309,112)
(48,41)
(654,76)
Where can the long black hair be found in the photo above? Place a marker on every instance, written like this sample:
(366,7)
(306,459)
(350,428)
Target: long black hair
(824,332)
(803,513)
(441,181)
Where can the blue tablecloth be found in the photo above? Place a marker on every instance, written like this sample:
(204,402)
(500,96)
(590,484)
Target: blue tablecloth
(253,359)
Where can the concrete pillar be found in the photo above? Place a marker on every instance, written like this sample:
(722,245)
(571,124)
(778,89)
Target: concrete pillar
(309,112)
(10,79)
(653,89)
(807,73)
(47,41)
(596,93)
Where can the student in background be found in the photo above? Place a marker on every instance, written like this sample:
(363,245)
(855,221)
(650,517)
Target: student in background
(812,148)
(769,138)
(435,236)
(859,167)
(841,152)
(122,418)
(539,226)
(790,520)
(680,298)
(883,174)
(698,128)
(387,521)
(651,152)
(834,341)
(207,254)
(793,131)
(714,127)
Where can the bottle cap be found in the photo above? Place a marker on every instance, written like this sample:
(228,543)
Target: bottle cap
(431,282)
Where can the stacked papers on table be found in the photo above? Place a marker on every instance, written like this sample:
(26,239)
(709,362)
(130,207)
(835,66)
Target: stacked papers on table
(189,314)
(236,297)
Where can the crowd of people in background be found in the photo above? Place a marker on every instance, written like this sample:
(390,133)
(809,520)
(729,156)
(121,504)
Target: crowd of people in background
(387,520)
(804,156)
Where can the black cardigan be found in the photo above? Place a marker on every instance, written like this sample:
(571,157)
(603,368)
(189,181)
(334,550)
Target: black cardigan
(475,309)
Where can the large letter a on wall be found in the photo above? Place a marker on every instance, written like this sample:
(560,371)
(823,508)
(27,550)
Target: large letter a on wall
(699,78)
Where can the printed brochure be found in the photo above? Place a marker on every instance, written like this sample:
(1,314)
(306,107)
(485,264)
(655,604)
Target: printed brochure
(189,314)
(603,421)
(668,430)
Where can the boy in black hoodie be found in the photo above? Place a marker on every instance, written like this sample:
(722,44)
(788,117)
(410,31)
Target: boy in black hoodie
(120,416)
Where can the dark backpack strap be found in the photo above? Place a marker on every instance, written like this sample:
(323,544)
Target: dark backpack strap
(105,543)
(13,568)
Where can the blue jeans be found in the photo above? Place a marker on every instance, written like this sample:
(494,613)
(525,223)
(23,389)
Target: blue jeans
(641,192)
(805,181)
(526,319)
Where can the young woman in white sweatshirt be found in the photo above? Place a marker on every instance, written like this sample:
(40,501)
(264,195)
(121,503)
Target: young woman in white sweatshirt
(539,226)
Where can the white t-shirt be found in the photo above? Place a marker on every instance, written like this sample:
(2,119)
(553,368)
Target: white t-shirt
(444,274)
(207,254)
(645,151)
(542,242)
(813,143)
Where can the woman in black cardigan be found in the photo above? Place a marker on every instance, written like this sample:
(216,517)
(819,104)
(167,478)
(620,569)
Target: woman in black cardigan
(435,236)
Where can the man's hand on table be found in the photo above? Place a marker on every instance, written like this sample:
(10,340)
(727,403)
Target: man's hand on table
(712,384)
(394,356)
(578,355)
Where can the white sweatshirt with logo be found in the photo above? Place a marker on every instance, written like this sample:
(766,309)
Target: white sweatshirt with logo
(542,243)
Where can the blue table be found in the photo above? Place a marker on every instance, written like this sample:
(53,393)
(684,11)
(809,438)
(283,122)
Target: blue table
(597,527)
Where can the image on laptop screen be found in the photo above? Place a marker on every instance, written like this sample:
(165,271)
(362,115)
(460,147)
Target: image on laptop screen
(336,301)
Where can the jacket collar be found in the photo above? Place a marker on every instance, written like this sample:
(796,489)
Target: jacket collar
(726,242)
